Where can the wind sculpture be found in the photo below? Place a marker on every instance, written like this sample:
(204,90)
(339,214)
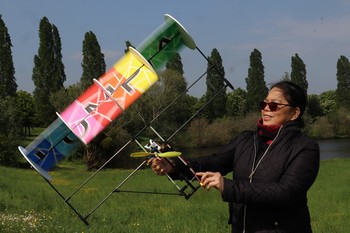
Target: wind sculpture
(105,100)
(107,97)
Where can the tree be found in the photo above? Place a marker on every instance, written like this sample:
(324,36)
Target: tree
(237,103)
(343,86)
(314,108)
(328,101)
(8,85)
(215,84)
(59,74)
(256,86)
(26,111)
(175,64)
(285,77)
(128,44)
(298,74)
(93,64)
(48,71)
(174,85)
(9,131)
(62,98)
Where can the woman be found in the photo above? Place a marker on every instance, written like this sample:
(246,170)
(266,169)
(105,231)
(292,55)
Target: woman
(273,167)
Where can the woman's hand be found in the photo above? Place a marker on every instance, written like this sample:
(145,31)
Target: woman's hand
(161,166)
(212,179)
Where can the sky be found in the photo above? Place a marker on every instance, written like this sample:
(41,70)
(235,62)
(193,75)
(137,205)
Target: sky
(317,30)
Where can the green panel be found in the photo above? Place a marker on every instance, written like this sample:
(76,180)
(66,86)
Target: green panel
(167,40)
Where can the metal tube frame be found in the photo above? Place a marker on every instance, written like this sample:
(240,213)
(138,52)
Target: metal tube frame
(117,189)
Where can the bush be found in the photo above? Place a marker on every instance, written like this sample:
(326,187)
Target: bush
(220,132)
(340,120)
(9,154)
(321,128)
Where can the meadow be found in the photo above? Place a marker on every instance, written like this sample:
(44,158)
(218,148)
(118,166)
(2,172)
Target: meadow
(29,204)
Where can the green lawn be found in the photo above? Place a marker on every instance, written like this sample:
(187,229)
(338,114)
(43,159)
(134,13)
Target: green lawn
(29,204)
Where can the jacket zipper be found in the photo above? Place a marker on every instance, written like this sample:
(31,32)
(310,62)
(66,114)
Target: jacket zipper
(254,170)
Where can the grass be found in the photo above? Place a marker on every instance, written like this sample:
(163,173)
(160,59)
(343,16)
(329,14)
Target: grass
(28,204)
(329,197)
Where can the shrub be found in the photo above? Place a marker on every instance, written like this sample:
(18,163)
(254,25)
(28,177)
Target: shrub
(321,128)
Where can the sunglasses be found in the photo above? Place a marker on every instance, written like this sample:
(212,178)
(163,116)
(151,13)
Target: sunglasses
(273,106)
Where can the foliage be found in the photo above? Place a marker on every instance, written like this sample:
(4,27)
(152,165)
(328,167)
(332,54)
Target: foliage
(197,132)
(215,87)
(328,102)
(48,71)
(26,111)
(128,44)
(321,128)
(340,120)
(65,96)
(107,144)
(174,88)
(314,109)
(227,115)
(298,74)
(9,131)
(175,64)
(247,122)
(237,102)
(256,86)
(154,108)
(93,64)
(343,85)
(59,76)
(220,131)
(8,85)
(285,77)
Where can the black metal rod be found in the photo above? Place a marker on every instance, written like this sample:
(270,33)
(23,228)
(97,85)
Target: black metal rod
(221,75)
(143,129)
(147,192)
(75,211)
(195,114)
(110,194)
(88,179)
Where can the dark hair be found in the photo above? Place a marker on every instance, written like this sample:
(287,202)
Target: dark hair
(294,94)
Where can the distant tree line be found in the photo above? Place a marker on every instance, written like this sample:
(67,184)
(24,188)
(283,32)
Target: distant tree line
(231,111)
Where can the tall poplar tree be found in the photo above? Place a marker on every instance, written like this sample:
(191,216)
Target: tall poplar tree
(93,66)
(8,85)
(256,86)
(343,86)
(215,82)
(128,44)
(48,71)
(298,74)
(59,74)
(175,64)
(93,60)
(9,113)
(174,85)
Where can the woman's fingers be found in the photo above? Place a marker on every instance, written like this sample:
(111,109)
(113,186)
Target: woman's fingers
(161,166)
(211,179)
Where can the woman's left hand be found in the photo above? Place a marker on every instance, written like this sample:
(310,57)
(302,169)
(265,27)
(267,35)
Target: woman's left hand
(212,179)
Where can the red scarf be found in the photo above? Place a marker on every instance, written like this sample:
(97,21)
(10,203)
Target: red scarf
(267,132)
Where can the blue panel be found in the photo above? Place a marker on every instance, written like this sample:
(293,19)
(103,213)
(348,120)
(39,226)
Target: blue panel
(52,145)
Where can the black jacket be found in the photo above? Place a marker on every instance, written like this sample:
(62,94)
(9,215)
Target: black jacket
(273,198)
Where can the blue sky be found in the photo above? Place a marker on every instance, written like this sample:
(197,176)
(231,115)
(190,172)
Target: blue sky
(318,30)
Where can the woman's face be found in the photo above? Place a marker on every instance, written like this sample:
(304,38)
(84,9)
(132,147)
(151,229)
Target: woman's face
(281,112)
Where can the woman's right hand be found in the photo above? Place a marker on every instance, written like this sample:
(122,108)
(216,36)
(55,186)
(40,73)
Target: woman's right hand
(161,166)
